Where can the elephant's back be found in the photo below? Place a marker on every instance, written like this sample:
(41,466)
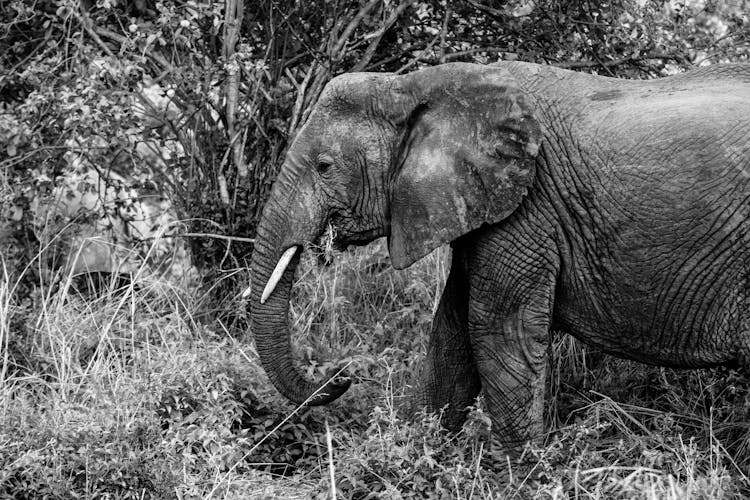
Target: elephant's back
(662,186)
(652,183)
(736,73)
(661,278)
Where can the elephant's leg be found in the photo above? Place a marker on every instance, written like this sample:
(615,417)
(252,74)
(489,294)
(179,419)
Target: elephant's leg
(509,318)
(450,378)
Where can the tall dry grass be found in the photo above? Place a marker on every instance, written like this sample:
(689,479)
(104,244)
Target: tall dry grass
(126,394)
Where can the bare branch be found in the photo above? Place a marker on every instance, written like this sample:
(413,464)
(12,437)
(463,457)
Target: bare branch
(444,31)
(232,20)
(200,235)
(153,55)
(337,51)
(85,21)
(367,57)
(404,51)
(420,56)
(616,62)
(457,55)
(301,90)
(497,14)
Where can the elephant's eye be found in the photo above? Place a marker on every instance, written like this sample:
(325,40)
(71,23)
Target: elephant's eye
(324,165)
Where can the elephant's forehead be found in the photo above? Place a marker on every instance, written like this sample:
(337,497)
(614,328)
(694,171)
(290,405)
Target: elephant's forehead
(355,91)
(343,119)
(353,85)
(338,129)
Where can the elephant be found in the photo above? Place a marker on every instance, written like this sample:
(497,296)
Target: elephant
(614,210)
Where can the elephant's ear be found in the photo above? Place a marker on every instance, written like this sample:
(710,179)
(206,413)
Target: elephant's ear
(467,158)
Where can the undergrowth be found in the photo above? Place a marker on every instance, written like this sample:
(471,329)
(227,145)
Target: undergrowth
(124,394)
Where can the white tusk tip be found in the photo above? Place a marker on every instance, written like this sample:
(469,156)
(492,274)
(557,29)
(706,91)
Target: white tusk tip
(277,273)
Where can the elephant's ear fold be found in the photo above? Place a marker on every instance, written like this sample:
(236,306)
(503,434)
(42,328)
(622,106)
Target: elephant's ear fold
(467,158)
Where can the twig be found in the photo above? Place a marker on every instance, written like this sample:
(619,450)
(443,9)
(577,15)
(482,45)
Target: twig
(299,101)
(322,76)
(115,37)
(418,58)
(200,235)
(403,51)
(478,50)
(388,24)
(337,50)
(497,14)
(32,53)
(156,56)
(309,50)
(232,19)
(210,235)
(275,428)
(444,31)
(329,444)
(615,62)
(85,21)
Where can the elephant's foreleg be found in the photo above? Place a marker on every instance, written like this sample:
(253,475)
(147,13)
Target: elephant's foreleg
(513,365)
(450,377)
(509,320)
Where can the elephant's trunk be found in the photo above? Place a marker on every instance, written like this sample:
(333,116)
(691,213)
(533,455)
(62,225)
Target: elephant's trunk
(269,307)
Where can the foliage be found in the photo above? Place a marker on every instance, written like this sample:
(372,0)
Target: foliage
(98,459)
(212,417)
(168,94)
(415,458)
(128,395)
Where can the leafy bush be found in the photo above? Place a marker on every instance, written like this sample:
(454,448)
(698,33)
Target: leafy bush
(211,414)
(130,395)
(202,104)
(81,452)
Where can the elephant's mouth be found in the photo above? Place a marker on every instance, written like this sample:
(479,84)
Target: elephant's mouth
(342,232)
(329,240)
(357,239)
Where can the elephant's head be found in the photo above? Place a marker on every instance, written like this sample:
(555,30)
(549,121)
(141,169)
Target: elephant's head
(422,159)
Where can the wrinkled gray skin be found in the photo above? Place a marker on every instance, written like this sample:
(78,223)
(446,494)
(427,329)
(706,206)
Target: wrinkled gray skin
(615,210)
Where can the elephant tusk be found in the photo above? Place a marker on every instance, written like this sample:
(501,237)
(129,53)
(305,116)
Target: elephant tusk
(277,273)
